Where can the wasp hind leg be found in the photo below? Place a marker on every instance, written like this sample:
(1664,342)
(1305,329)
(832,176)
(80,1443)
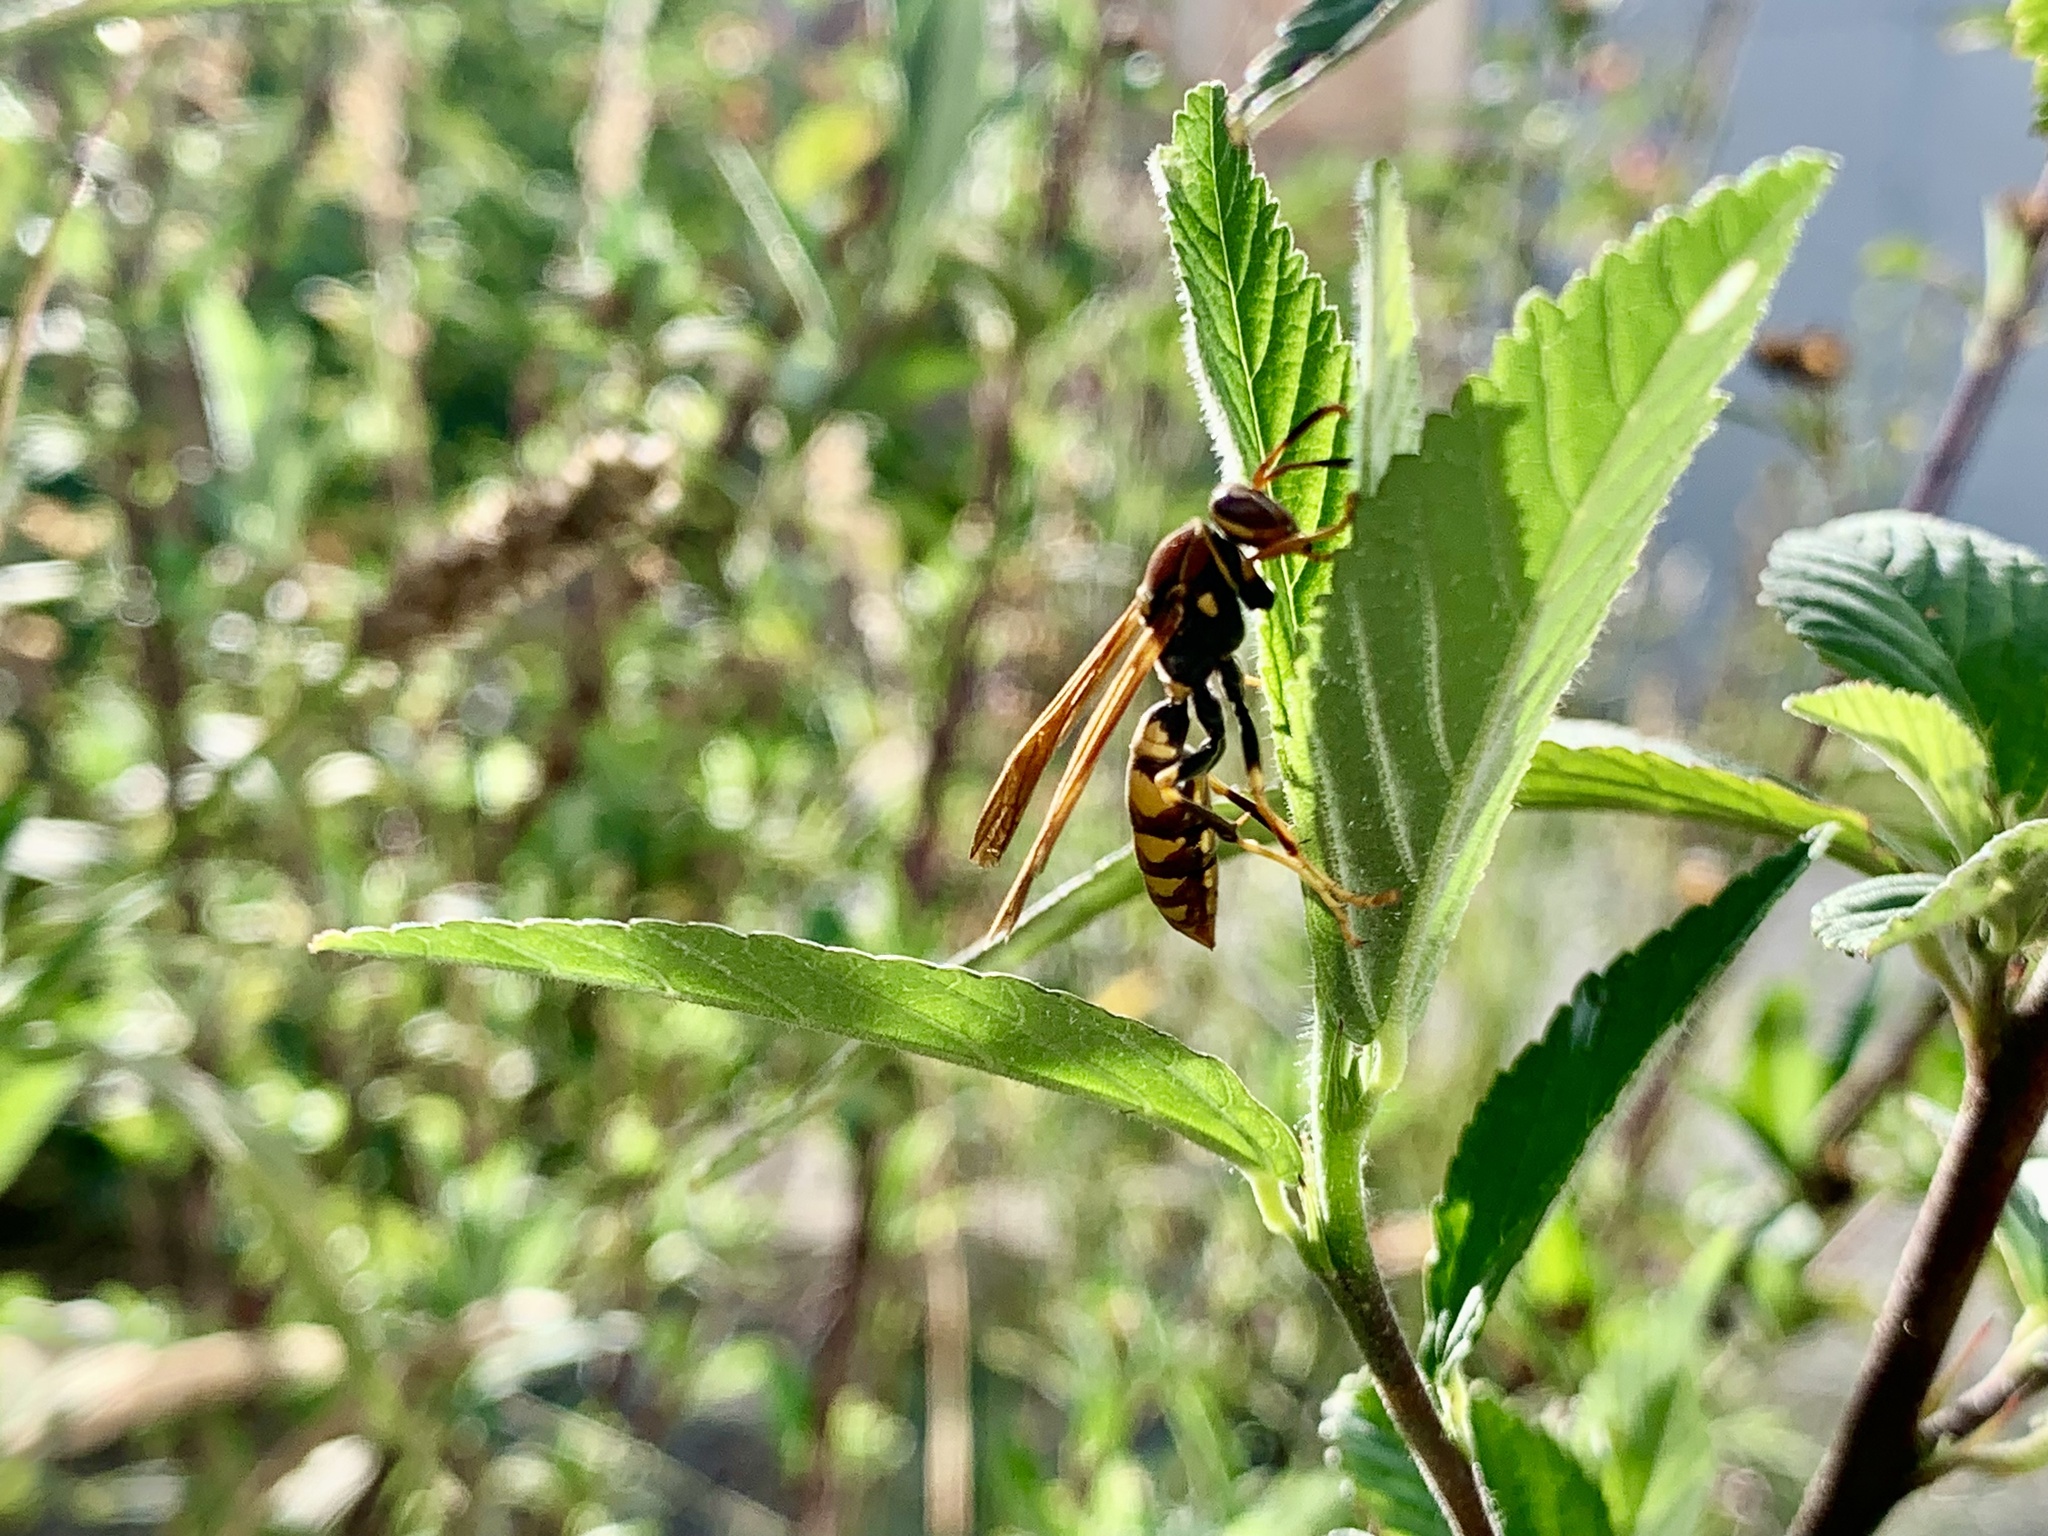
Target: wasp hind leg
(1335,898)
(1252,801)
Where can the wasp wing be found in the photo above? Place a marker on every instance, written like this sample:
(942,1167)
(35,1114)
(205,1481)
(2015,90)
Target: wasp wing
(1004,808)
(1087,751)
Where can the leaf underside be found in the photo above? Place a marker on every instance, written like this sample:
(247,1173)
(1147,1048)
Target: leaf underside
(1921,738)
(1929,606)
(1585,765)
(1523,1141)
(1370,1452)
(1320,34)
(999,1024)
(2003,884)
(1857,916)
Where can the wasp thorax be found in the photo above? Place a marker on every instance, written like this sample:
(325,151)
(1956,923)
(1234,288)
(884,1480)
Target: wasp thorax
(1250,517)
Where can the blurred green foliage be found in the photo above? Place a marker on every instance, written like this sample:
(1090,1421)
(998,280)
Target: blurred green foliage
(625,459)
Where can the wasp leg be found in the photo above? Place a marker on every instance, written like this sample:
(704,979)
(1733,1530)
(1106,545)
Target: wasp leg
(1233,680)
(1304,544)
(1263,475)
(1207,710)
(1333,896)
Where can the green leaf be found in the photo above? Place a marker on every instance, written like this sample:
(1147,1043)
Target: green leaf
(1640,1409)
(1538,1486)
(2029,22)
(2023,1234)
(1583,765)
(1357,1427)
(2003,885)
(1482,569)
(1264,349)
(1858,1019)
(1294,1503)
(233,367)
(1930,606)
(33,1094)
(1320,34)
(939,50)
(1388,416)
(1000,1024)
(1264,345)
(1526,1136)
(1857,916)
(1922,740)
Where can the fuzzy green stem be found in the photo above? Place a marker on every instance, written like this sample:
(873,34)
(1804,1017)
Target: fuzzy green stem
(1338,1248)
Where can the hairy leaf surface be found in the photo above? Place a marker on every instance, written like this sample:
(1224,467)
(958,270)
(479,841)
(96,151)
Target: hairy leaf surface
(1857,916)
(1481,568)
(2004,884)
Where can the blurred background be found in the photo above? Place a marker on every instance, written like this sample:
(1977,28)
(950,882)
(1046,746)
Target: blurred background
(651,458)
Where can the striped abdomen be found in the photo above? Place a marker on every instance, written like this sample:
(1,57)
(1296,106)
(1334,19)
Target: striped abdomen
(1174,838)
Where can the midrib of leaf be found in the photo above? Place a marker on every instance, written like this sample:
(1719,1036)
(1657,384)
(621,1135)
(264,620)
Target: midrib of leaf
(1235,282)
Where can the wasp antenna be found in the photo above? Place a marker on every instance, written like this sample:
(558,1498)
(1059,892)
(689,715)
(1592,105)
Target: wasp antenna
(1264,473)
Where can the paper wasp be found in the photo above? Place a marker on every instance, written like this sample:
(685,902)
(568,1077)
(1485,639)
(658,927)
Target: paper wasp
(1187,621)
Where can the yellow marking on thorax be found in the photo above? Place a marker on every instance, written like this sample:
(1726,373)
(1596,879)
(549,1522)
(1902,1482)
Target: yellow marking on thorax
(1207,603)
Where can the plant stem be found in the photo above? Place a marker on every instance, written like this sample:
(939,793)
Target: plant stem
(1338,1247)
(1993,350)
(1874,1459)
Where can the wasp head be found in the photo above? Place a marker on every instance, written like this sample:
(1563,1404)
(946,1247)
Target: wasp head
(1251,517)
